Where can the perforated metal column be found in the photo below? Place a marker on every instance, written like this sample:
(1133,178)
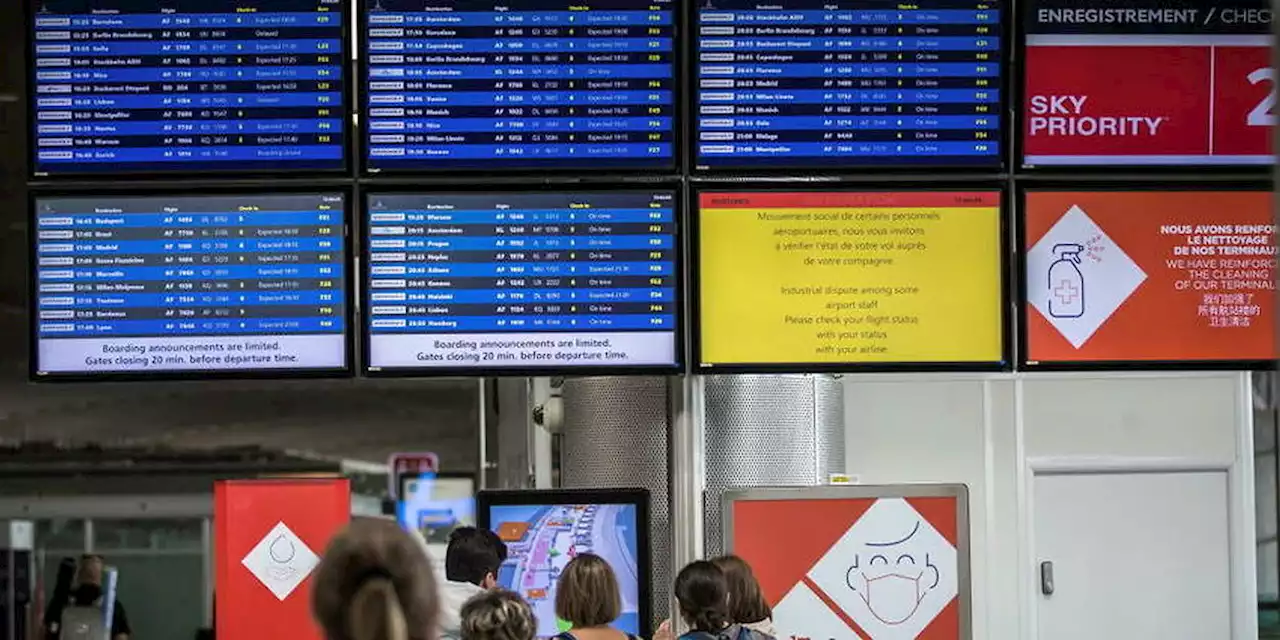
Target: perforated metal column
(615,436)
(768,431)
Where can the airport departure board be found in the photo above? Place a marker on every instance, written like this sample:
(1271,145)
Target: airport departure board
(184,284)
(487,84)
(145,86)
(818,84)
(522,281)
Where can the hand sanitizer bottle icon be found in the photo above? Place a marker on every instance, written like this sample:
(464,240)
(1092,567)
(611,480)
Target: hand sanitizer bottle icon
(1066,283)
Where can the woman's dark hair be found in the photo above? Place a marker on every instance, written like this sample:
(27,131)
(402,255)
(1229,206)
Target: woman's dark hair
(375,583)
(746,601)
(703,595)
(587,593)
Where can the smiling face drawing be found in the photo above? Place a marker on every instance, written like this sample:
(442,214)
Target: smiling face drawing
(888,577)
(891,579)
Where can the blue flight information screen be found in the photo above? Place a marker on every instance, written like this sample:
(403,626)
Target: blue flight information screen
(827,83)
(484,84)
(528,280)
(144,86)
(163,284)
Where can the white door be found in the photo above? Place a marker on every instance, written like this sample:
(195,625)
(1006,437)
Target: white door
(1135,556)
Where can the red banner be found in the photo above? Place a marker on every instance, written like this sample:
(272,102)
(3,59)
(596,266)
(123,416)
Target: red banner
(269,536)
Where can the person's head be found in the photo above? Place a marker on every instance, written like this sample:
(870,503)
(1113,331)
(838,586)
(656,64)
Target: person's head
(375,583)
(587,593)
(498,615)
(89,570)
(703,595)
(474,556)
(746,601)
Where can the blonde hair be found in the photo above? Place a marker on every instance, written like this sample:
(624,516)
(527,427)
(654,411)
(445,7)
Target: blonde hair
(498,615)
(587,593)
(375,584)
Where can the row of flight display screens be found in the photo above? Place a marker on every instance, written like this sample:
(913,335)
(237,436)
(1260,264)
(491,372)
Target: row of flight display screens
(524,282)
(247,86)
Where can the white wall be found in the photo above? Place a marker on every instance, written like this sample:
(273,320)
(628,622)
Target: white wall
(980,430)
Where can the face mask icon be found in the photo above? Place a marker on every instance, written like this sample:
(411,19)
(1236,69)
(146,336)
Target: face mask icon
(891,580)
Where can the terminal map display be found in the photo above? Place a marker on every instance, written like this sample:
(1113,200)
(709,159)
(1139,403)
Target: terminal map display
(487,84)
(813,83)
(188,85)
(799,281)
(1149,276)
(144,284)
(1148,83)
(522,280)
(541,540)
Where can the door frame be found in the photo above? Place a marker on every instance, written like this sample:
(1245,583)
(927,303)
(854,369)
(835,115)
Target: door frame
(1241,513)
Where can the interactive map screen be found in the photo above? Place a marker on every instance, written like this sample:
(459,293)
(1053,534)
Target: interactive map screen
(436,506)
(542,539)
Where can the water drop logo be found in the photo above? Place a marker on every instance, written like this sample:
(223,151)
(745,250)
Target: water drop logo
(281,561)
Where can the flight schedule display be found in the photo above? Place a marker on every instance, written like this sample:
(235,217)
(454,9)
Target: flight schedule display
(487,84)
(169,284)
(830,83)
(522,281)
(129,86)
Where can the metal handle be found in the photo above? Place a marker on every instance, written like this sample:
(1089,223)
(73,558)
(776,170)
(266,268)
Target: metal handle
(1046,578)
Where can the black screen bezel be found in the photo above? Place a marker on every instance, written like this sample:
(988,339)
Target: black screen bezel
(1004,111)
(672,168)
(640,498)
(33,284)
(679,331)
(1005,304)
(1023,309)
(349,129)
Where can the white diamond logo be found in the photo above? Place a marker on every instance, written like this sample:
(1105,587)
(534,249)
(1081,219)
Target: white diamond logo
(1077,276)
(281,561)
(892,572)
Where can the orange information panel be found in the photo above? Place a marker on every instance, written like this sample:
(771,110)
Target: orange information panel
(269,536)
(1171,278)
(872,563)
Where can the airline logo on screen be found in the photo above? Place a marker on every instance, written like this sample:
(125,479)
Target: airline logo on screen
(1078,276)
(888,577)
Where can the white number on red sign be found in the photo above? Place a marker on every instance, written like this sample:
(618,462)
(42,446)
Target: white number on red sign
(1262,115)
